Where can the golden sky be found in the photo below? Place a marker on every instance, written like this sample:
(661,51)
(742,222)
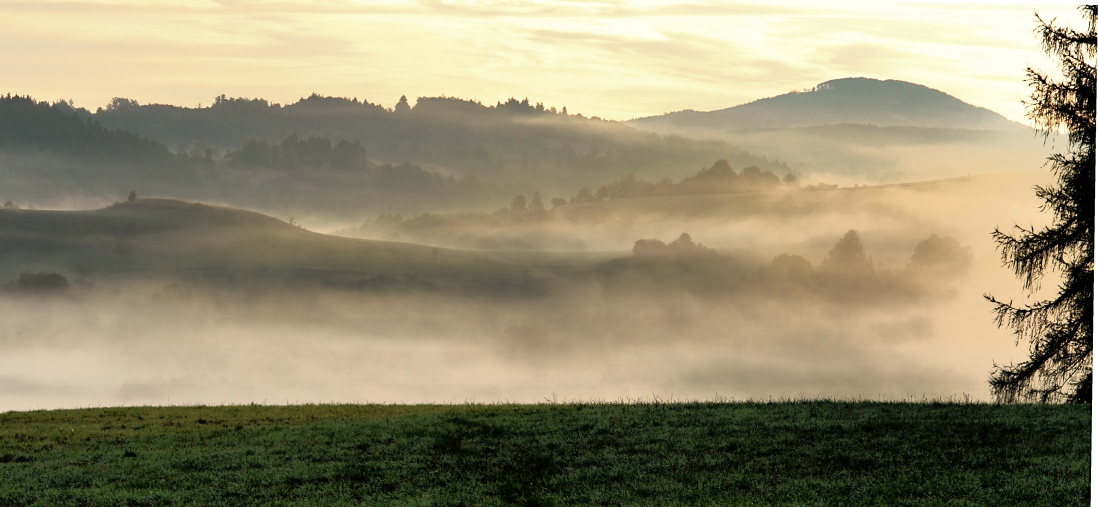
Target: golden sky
(614,59)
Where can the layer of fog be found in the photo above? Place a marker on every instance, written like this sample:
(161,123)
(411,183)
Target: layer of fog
(133,349)
(158,344)
(858,154)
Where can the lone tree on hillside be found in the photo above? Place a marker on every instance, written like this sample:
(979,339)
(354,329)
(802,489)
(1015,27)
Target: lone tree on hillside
(1059,330)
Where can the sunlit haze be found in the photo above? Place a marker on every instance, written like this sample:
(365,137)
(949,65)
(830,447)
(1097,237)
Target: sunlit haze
(310,247)
(616,60)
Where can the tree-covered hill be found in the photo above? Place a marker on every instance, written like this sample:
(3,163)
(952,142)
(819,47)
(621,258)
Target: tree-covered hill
(858,101)
(57,156)
(327,157)
(52,146)
(513,143)
(29,124)
(865,129)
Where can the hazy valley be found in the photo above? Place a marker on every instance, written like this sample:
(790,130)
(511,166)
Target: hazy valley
(555,265)
(508,252)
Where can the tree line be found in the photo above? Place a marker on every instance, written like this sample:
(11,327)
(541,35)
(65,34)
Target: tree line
(719,178)
(846,274)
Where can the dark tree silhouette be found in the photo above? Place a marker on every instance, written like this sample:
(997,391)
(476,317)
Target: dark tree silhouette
(1059,330)
(536,205)
(402,105)
(848,256)
(518,204)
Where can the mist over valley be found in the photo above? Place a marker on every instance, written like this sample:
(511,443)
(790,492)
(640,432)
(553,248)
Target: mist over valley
(546,253)
(784,291)
(448,251)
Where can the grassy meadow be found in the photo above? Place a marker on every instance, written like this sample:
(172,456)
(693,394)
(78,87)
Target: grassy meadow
(643,453)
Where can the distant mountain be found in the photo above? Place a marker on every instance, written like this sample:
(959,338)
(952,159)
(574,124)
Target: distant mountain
(858,100)
(866,130)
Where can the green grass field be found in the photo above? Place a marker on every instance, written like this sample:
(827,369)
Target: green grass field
(790,453)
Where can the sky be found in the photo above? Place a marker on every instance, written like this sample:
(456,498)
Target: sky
(612,59)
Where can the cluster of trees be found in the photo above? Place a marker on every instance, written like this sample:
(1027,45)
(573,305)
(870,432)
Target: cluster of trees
(29,125)
(324,168)
(523,106)
(294,153)
(319,157)
(224,101)
(455,107)
(520,210)
(423,105)
(430,227)
(50,150)
(846,274)
(316,174)
(719,178)
(517,143)
(682,246)
(316,101)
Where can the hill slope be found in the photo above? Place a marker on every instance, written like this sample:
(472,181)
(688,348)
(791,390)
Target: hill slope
(328,158)
(50,151)
(861,130)
(512,143)
(860,100)
(158,238)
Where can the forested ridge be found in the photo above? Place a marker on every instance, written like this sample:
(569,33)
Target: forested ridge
(514,141)
(330,156)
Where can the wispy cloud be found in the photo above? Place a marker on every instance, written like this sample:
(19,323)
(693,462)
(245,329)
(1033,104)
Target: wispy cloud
(616,59)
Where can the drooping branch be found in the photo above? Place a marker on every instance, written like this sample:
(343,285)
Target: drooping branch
(1059,330)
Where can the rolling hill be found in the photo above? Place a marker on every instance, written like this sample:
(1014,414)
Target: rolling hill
(327,158)
(858,100)
(155,239)
(516,144)
(859,130)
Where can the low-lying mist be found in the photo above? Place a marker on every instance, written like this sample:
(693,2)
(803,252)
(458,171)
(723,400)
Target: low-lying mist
(149,345)
(755,305)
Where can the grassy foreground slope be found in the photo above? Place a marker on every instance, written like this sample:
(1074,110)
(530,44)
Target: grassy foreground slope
(800,453)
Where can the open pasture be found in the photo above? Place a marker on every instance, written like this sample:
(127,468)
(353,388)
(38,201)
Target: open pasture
(636,453)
